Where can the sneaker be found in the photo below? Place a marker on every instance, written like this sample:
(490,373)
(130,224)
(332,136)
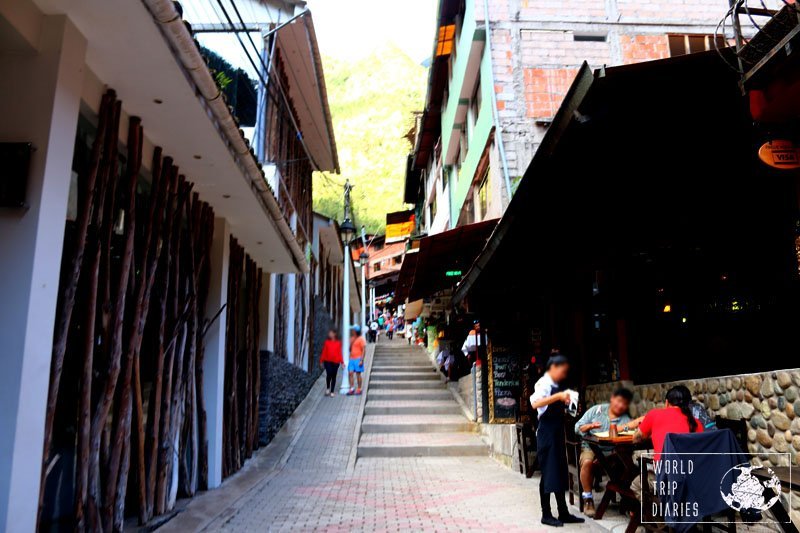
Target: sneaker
(570,519)
(351,392)
(588,507)
(358,392)
(552,521)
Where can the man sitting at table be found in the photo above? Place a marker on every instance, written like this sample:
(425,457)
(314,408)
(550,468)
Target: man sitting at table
(597,419)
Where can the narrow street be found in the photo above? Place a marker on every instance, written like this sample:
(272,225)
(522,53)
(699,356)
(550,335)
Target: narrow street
(418,467)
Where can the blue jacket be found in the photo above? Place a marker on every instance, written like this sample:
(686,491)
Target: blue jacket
(690,474)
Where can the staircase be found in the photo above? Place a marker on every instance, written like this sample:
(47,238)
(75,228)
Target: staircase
(409,410)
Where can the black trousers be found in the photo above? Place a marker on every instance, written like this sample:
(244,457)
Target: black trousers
(561,502)
(331,369)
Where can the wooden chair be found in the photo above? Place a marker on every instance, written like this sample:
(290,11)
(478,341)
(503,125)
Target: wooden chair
(573,461)
(526,449)
(737,427)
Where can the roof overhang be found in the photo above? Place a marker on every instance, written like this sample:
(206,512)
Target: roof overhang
(627,167)
(135,59)
(297,43)
(441,260)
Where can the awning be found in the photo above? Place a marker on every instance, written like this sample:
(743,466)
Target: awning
(413,309)
(634,160)
(442,260)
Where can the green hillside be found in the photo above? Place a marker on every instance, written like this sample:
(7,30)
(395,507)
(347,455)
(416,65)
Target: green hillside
(372,101)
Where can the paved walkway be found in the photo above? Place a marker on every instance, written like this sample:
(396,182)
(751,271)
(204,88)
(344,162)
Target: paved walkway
(308,480)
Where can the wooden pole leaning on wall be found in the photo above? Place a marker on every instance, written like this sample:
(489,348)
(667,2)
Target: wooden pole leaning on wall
(138,275)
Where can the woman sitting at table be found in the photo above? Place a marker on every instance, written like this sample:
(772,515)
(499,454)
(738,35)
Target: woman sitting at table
(675,417)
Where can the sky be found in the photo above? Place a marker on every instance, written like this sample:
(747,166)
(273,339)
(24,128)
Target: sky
(352,28)
(345,28)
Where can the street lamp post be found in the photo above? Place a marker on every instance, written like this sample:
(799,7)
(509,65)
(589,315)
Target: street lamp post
(363,261)
(347,229)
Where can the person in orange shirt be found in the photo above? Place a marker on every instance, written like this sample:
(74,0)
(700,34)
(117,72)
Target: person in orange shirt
(355,367)
(331,359)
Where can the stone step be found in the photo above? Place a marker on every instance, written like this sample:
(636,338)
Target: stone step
(405,394)
(411,407)
(403,368)
(394,361)
(404,376)
(421,445)
(376,383)
(416,424)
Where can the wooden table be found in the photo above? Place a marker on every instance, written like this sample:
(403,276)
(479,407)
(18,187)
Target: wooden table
(619,466)
(788,482)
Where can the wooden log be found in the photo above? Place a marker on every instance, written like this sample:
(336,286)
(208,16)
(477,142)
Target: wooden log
(64,314)
(153,421)
(202,417)
(170,356)
(103,407)
(131,382)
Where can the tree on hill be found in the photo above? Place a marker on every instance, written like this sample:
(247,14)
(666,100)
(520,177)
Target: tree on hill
(372,102)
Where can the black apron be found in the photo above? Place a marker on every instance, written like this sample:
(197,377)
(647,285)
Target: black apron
(551,449)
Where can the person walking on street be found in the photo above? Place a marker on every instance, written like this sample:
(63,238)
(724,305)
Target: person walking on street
(373,331)
(390,329)
(549,398)
(331,359)
(355,367)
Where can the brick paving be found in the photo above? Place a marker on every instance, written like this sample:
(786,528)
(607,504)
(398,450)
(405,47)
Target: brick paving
(315,491)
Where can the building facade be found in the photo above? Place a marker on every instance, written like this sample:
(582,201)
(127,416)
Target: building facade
(141,238)
(499,72)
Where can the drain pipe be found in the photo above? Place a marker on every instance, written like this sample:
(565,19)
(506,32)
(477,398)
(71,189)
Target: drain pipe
(178,36)
(497,127)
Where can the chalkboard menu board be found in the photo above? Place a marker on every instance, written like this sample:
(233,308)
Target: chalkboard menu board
(505,383)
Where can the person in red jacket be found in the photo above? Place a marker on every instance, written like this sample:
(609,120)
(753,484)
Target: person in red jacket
(331,359)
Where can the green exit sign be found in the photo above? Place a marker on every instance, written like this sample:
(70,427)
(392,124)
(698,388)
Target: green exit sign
(452,273)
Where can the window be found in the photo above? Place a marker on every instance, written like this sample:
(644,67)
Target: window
(589,37)
(483,197)
(691,44)
(376,267)
(396,260)
(475,103)
(432,209)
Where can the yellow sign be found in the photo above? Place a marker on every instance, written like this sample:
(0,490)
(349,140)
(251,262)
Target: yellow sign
(399,225)
(780,154)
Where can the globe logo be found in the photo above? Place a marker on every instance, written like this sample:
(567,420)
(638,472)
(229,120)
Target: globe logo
(747,490)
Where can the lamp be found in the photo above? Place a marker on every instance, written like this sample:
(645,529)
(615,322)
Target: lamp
(347,230)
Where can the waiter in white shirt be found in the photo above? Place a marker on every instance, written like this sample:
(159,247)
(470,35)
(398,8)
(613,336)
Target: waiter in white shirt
(472,342)
(550,398)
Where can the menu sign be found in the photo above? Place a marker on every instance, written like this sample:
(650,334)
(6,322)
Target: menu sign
(505,384)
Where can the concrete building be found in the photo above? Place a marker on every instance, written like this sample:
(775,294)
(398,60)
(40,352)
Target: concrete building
(499,72)
(244,225)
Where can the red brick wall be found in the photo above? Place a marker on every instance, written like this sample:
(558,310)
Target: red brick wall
(636,48)
(545,88)
(550,60)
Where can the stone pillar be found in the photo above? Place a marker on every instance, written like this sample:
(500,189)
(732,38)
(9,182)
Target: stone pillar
(291,290)
(265,310)
(214,362)
(271,310)
(39,102)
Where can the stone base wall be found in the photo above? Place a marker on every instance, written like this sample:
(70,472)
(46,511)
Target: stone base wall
(283,387)
(465,392)
(502,439)
(768,401)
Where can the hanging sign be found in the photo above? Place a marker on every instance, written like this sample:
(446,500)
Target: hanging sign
(399,226)
(779,153)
